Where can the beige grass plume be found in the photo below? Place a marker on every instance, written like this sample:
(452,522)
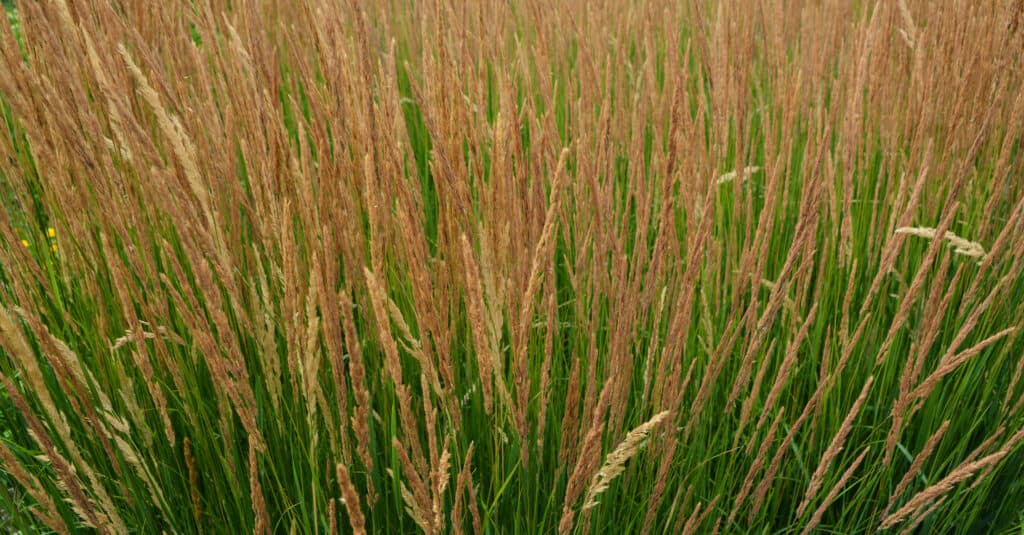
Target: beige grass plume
(960,245)
(731,175)
(615,463)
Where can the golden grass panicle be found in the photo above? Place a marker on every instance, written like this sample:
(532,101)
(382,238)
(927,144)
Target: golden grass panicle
(834,447)
(615,462)
(831,496)
(915,467)
(263,524)
(940,488)
(961,246)
(731,175)
(350,498)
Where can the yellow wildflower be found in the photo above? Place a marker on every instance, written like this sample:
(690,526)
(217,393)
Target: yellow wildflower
(24,242)
(51,233)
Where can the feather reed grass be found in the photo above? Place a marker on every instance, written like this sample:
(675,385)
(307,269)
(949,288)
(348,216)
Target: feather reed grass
(511,266)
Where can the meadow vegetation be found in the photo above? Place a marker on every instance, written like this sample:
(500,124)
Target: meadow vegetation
(491,266)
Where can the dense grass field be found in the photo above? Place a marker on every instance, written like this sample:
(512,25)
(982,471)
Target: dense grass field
(512,266)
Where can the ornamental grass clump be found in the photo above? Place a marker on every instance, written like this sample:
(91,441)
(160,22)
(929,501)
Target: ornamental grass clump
(511,266)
